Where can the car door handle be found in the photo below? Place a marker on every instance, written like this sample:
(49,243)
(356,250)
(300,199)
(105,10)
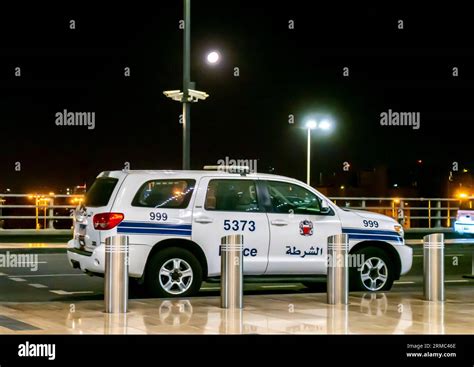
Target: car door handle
(204,220)
(279,222)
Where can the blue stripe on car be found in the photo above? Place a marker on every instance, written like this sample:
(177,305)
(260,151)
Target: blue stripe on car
(375,237)
(154,228)
(174,232)
(154,225)
(370,231)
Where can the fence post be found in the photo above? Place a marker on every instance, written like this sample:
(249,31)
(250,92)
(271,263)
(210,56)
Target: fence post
(401,213)
(1,220)
(438,214)
(51,214)
(429,213)
(448,221)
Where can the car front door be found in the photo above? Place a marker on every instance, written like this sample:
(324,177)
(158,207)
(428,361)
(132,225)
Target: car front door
(226,206)
(299,227)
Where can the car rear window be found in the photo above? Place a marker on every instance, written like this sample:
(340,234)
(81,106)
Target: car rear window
(166,194)
(100,192)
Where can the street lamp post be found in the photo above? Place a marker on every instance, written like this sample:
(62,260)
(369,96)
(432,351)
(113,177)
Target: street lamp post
(189,94)
(308,158)
(312,125)
(186,82)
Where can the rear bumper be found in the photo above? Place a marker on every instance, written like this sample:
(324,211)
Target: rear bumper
(94,262)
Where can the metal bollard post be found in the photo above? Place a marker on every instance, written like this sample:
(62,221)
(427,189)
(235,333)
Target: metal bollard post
(337,320)
(338,271)
(116,274)
(231,321)
(433,318)
(433,267)
(115,323)
(232,271)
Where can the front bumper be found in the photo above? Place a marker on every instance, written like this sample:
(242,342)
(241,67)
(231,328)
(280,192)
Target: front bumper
(406,258)
(460,227)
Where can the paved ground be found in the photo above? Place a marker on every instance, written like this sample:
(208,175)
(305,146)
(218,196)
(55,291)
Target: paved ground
(396,312)
(55,280)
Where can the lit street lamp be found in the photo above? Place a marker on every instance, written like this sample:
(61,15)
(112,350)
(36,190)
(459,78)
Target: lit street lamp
(313,125)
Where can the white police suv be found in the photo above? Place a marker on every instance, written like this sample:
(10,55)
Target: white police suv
(175,221)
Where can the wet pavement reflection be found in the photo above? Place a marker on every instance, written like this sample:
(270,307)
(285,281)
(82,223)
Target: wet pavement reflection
(367,313)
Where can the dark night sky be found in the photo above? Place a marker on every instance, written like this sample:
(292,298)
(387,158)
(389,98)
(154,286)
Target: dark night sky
(282,72)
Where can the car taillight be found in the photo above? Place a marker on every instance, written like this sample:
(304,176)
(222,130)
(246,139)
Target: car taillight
(104,221)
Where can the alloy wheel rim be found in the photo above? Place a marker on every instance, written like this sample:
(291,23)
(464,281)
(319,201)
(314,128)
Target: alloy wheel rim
(176,276)
(374,274)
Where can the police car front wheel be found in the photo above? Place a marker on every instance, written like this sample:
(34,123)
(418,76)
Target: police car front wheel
(173,272)
(376,272)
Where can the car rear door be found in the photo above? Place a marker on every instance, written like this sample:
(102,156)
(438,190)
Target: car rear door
(156,208)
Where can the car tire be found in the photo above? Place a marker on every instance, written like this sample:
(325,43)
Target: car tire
(173,272)
(375,274)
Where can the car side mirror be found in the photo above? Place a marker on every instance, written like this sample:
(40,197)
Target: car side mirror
(325,208)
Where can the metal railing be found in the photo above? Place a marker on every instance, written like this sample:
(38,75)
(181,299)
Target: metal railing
(51,211)
(37,211)
(413,213)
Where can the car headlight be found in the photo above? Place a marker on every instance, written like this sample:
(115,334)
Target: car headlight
(399,229)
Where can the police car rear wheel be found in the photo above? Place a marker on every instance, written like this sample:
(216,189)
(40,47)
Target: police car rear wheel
(173,272)
(376,272)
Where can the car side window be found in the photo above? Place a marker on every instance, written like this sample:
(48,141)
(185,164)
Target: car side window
(289,198)
(232,195)
(165,194)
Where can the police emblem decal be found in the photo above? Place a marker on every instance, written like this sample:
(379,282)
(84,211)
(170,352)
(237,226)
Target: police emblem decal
(306,228)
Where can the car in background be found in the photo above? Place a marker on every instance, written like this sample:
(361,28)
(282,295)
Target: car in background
(464,223)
